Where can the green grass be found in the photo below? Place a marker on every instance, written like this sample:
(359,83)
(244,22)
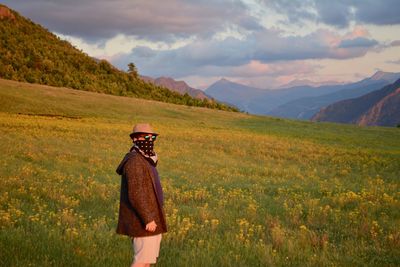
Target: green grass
(239,189)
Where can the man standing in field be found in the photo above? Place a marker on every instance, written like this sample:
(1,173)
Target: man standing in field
(141,214)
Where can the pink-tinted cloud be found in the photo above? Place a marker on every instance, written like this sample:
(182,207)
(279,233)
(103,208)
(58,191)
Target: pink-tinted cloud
(256,68)
(395,43)
(358,31)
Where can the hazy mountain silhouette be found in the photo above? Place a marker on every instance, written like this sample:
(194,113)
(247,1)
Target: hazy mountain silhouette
(236,94)
(305,108)
(300,102)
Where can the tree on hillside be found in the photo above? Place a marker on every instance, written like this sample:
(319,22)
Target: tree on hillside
(132,70)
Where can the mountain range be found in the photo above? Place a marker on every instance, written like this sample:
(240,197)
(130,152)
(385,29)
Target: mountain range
(306,107)
(380,108)
(298,102)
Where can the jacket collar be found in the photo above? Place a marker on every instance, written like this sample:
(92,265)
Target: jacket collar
(151,159)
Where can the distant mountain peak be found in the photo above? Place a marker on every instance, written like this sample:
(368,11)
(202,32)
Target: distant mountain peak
(165,78)
(224,80)
(178,86)
(378,75)
(173,84)
(382,75)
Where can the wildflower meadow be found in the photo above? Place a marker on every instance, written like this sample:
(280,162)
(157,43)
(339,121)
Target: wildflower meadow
(240,190)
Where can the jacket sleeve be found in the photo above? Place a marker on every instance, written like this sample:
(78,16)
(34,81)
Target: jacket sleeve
(140,190)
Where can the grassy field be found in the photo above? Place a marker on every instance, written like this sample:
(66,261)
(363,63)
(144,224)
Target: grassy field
(240,190)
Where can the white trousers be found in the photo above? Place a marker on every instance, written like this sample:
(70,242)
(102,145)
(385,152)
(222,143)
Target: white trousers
(146,249)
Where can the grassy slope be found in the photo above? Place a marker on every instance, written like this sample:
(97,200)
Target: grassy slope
(239,188)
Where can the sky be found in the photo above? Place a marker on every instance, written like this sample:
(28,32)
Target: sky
(260,43)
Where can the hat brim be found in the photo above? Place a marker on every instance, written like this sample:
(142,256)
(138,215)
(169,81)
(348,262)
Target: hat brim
(132,134)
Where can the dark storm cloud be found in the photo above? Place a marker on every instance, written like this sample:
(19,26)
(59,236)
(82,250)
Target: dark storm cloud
(152,20)
(338,13)
(335,13)
(384,12)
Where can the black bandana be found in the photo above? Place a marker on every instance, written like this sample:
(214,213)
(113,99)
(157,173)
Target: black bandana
(146,146)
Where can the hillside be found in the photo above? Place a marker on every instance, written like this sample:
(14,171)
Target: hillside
(178,86)
(30,53)
(381,107)
(386,112)
(239,189)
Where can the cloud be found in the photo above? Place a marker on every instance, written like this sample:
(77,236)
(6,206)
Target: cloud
(317,45)
(150,20)
(258,69)
(265,47)
(296,10)
(395,43)
(357,42)
(255,74)
(338,13)
(144,52)
(335,13)
(393,61)
(384,12)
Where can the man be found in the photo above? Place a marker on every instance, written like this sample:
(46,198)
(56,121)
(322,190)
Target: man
(141,214)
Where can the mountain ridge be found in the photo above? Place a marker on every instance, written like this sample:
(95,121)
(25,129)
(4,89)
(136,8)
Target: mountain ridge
(305,108)
(178,86)
(298,102)
(374,115)
(377,108)
(232,93)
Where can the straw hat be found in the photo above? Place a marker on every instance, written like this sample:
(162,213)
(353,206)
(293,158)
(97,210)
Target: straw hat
(142,128)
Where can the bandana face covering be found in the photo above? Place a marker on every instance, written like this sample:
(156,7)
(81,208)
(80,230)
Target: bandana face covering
(146,146)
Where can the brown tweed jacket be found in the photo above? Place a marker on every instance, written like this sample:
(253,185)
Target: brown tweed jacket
(139,202)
